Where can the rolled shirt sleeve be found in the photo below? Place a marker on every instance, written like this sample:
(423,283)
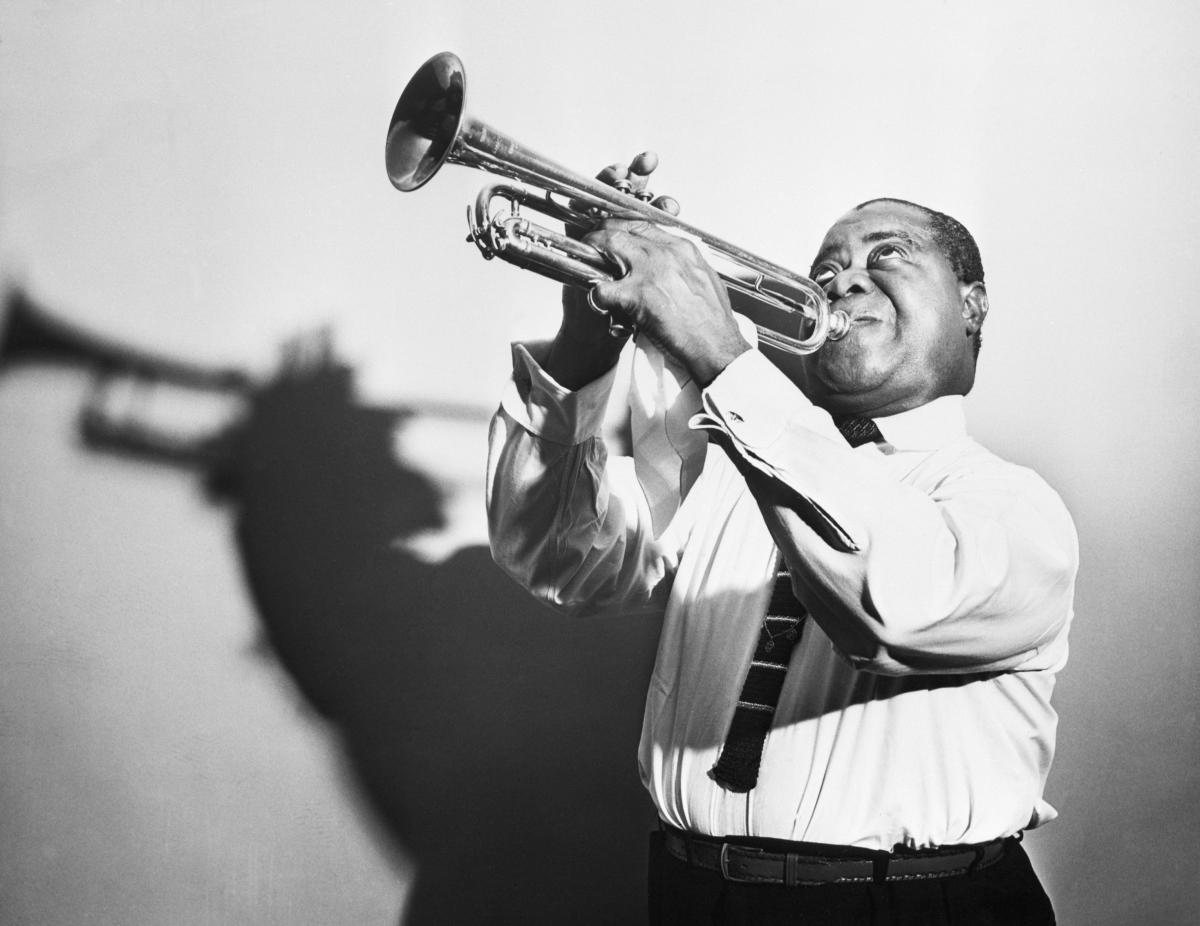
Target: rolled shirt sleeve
(975,575)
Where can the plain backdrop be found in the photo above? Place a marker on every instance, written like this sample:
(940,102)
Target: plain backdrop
(205,181)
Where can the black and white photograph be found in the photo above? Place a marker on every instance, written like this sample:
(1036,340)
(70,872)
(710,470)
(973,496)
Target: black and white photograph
(633,463)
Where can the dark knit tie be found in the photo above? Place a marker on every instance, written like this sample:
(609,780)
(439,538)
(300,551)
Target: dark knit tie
(737,767)
(858,431)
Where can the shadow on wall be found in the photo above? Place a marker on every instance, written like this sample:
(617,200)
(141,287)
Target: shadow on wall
(494,741)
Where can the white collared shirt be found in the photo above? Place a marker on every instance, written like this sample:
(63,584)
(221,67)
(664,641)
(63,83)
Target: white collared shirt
(938,579)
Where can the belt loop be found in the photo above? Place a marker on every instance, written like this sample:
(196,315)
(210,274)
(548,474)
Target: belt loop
(980,852)
(879,867)
(791,869)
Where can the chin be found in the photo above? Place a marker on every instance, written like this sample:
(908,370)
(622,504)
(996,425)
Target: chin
(846,367)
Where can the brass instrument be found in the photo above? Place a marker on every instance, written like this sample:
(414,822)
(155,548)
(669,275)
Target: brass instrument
(430,128)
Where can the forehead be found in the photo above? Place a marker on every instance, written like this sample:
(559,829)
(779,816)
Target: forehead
(877,222)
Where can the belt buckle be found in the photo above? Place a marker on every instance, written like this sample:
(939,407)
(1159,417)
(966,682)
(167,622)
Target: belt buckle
(724,859)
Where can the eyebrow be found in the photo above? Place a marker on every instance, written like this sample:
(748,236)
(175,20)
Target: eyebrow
(904,236)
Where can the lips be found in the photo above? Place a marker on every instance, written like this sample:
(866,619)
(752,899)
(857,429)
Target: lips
(860,317)
(856,314)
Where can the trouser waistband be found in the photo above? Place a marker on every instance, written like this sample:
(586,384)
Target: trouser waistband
(799,863)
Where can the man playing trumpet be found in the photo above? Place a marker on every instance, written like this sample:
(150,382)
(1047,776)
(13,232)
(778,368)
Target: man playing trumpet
(849,717)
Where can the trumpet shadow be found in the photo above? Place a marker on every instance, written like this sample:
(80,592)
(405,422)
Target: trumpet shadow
(493,741)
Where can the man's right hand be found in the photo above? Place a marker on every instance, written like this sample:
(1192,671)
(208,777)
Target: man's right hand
(584,348)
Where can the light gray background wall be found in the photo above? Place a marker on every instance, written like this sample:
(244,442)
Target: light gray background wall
(206,181)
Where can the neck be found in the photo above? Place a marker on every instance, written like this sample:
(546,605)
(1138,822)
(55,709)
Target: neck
(875,407)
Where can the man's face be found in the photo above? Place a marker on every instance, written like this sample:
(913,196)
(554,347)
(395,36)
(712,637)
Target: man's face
(908,341)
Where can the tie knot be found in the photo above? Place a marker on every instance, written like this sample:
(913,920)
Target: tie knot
(857,430)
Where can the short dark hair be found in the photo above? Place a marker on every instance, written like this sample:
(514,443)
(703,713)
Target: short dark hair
(952,239)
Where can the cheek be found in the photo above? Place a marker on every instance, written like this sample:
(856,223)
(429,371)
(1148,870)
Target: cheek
(928,322)
(855,360)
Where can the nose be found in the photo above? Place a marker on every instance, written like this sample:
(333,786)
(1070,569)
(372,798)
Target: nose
(851,281)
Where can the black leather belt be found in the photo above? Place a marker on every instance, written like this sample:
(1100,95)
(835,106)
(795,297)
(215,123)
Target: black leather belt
(797,863)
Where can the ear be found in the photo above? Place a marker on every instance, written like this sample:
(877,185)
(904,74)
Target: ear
(974,306)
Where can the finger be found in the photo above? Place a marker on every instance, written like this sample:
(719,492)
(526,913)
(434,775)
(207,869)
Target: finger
(614,173)
(615,236)
(624,232)
(644,164)
(668,204)
(640,169)
(625,245)
(613,245)
(605,298)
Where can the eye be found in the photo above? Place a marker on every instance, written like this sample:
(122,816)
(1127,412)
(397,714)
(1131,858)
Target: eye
(823,274)
(885,253)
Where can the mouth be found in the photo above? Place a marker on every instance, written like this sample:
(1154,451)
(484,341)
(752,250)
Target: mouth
(859,317)
(863,320)
(859,326)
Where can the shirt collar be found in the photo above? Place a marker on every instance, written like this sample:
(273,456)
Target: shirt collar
(927,427)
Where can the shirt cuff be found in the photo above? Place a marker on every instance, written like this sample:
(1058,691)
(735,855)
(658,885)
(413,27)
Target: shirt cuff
(547,410)
(769,423)
(753,402)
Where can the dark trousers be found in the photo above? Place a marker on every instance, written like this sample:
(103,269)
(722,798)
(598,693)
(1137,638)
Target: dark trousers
(1007,892)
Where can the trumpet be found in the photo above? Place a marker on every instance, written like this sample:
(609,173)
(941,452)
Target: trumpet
(430,128)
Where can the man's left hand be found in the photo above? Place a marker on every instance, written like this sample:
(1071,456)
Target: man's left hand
(671,294)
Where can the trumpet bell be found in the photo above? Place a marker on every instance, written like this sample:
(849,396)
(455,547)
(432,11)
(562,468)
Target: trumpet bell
(426,122)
